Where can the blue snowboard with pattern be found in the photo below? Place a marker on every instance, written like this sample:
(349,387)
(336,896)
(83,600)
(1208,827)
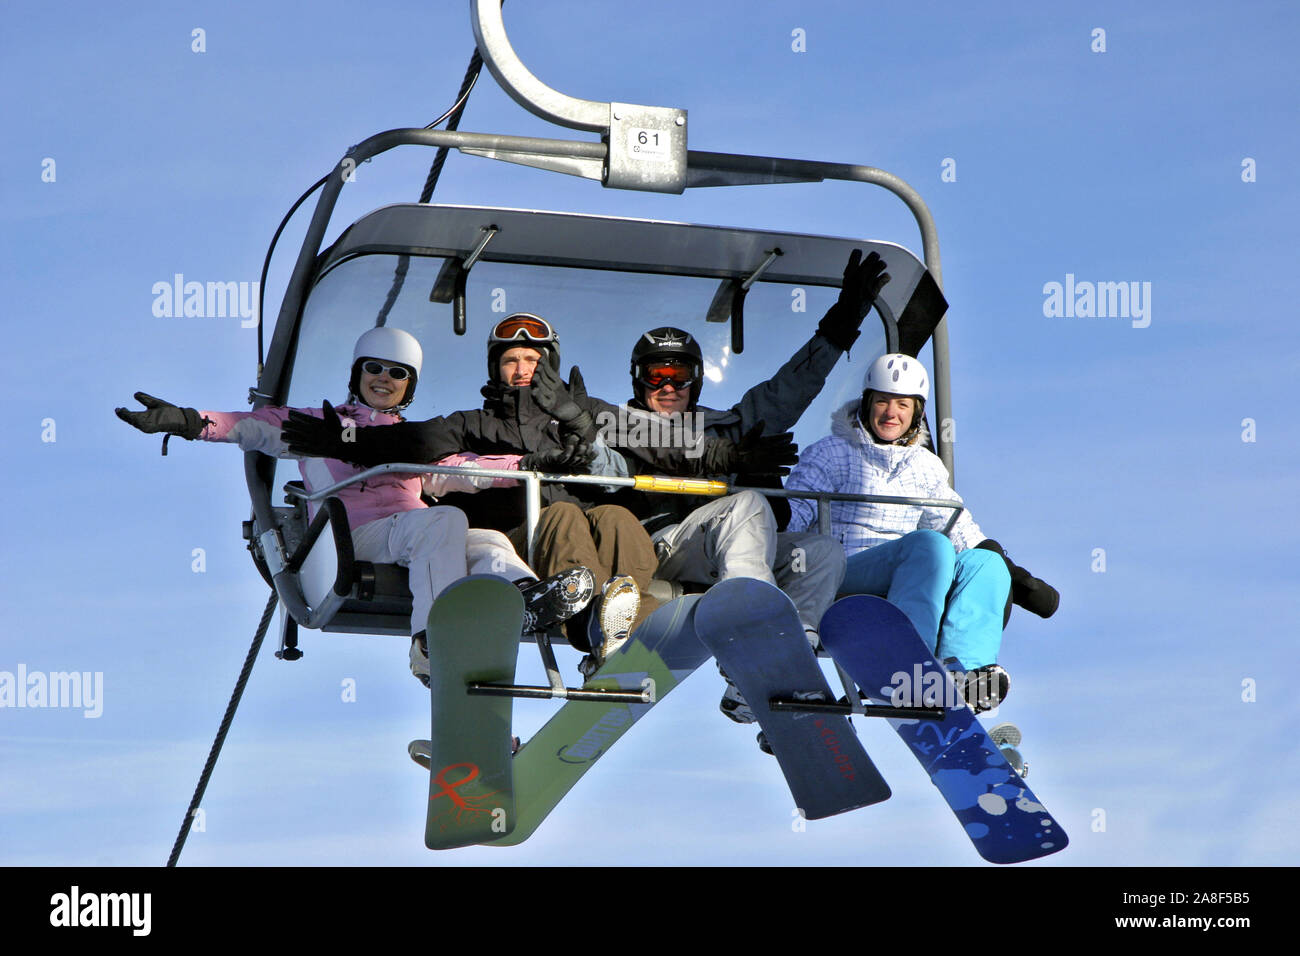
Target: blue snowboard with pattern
(755,633)
(875,642)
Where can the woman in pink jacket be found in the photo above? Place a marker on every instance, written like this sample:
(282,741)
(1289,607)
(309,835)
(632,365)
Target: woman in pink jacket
(390,523)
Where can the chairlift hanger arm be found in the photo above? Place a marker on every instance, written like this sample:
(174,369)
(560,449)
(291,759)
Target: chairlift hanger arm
(521,84)
(646,144)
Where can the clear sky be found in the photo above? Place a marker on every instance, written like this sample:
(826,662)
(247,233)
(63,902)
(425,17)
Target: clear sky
(1144,466)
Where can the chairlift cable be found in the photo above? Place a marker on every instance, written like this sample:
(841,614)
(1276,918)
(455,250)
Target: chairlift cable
(453,124)
(452,116)
(221,731)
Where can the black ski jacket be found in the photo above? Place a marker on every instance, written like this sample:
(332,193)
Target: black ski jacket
(509,422)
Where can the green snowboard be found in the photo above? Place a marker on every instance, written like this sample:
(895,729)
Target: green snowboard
(665,650)
(473,636)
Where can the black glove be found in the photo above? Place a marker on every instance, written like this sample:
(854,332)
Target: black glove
(563,402)
(1031,593)
(322,437)
(161,416)
(572,458)
(754,454)
(862,283)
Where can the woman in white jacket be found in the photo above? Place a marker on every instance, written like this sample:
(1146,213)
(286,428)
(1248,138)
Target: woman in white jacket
(954,591)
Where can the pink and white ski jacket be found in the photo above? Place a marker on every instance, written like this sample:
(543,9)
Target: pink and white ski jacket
(370,500)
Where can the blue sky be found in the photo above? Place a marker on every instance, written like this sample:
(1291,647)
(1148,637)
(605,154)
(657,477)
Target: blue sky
(1156,705)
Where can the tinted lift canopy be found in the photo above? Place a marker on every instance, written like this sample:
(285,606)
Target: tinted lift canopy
(440,247)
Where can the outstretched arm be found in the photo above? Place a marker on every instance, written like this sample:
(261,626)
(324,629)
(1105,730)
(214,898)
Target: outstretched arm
(252,431)
(329,437)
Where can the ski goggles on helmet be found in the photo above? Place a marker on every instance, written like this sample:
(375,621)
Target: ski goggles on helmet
(398,373)
(523,327)
(656,375)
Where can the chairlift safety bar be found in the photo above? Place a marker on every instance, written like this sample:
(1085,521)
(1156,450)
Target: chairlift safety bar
(532,481)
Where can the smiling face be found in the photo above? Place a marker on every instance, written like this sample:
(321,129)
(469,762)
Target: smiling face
(516,366)
(667,398)
(666,385)
(380,391)
(889,416)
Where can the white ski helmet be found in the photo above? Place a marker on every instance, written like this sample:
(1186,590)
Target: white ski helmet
(897,374)
(387,345)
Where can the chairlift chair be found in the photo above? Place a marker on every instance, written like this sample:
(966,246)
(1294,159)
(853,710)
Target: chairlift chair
(449,258)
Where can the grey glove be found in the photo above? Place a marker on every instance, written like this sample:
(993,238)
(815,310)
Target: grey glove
(161,416)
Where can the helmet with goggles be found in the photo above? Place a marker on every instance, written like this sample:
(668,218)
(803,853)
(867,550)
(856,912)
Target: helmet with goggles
(667,356)
(522,329)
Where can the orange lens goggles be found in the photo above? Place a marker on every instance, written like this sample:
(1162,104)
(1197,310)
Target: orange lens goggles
(659,374)
(523,327)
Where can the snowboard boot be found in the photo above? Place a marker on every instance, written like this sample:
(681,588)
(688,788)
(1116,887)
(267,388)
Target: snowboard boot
(733,704)
(420,657)
(816,695)
(611,622)
(984,688)
(814,639)
(549,603)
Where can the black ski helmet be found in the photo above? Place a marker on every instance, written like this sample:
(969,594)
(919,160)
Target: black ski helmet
(668,343)
(523,329)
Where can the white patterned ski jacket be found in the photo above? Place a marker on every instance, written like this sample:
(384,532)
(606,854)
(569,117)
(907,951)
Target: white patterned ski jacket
(848,461)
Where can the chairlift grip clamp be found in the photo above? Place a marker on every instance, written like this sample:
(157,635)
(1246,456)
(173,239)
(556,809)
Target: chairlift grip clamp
(272,551)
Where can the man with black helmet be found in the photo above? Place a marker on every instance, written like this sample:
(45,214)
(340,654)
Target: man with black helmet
(741,535)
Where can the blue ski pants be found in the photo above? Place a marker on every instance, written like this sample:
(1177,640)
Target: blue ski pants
(955,601)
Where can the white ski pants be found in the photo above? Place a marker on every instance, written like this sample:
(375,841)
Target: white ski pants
(437,547)
(736,537)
